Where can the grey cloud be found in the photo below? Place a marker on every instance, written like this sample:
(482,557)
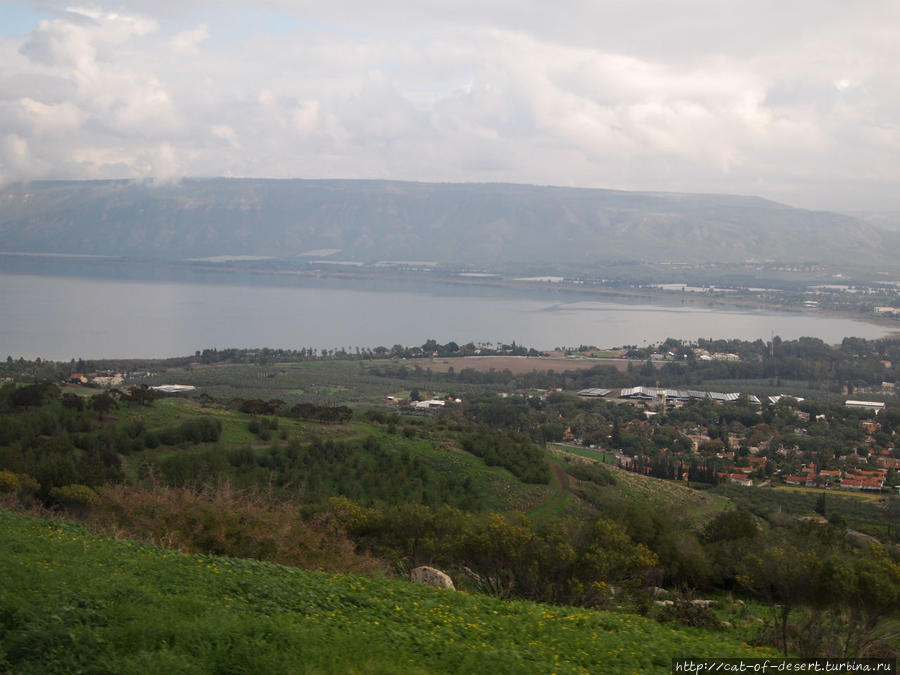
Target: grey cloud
(792,101)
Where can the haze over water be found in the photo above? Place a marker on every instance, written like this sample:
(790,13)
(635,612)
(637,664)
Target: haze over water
(64,317)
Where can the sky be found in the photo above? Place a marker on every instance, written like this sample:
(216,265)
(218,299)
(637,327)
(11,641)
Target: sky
(795,100)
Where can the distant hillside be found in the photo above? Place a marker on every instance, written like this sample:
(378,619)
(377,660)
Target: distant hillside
(447,223)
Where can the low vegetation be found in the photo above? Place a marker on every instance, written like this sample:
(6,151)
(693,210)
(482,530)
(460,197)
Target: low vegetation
(501,491)
(74,601)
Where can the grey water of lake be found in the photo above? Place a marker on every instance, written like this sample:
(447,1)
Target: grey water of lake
(60,317)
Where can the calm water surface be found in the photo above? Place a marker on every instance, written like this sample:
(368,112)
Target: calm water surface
(61,317)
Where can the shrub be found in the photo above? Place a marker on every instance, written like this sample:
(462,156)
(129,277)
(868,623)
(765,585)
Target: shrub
(591,472)
(194,430)
(74,495)
(9,482)
(731,525)
(200,430)
(688,613)
(224,522)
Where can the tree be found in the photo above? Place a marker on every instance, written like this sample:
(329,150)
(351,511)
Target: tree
(612,557)
(820,505)
(73,402)
(142,395)
(103,403)
(783,575)
(34,395)
(731,525)
(871,595)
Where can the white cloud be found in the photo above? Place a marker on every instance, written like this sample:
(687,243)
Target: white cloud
(227,134)
(14,158)
(845,85)
(305,117)
(796,101)
(188,42)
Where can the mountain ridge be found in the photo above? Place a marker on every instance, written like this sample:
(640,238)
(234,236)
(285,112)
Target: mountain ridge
(370,220)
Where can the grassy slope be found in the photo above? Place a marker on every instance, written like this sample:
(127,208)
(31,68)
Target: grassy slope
(497,488)
(867,513)
(76,601)
(699,506)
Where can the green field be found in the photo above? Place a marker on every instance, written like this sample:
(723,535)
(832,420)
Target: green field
(587,453)
(872,514)
(665,494)
(72,601)
(330,382)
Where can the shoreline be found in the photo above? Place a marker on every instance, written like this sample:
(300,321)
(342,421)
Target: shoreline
(255,275)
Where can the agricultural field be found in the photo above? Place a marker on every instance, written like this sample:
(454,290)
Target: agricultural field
(74,601)
(320,382)
(587,453)
(874,515)
(667,494)
(519,365)
(699,506)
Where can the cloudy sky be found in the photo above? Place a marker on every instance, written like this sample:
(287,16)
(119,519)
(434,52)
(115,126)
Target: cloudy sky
(794,100)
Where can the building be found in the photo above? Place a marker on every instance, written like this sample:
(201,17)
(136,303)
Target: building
(868,405)
(594,393)
(429,404)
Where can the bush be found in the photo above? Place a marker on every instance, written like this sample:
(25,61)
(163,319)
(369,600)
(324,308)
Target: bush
(591,472)
(224,522)
(731,525)
(9,482)
(74,495)
(690,613)
(195,430)
(200,430)
(18,487)
(263,427)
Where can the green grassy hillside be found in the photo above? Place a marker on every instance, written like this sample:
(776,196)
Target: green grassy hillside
(76,602)
(626,485)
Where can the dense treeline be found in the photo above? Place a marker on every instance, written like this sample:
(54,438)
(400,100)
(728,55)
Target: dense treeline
(574,563)
(855,363)
(365,471)
(304,411)
(430,348)
(56,443)
(830,598)
(512,451)
(40,370)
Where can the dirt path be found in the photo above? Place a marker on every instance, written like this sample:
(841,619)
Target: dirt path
(562,476)
(563,479)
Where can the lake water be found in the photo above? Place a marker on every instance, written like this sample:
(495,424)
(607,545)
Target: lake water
(173,313)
